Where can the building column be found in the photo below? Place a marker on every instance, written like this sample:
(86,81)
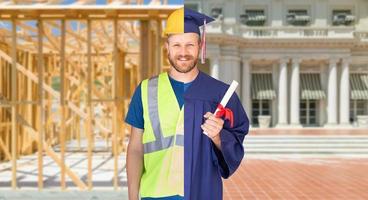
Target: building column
(246,89)
(282,94)
(214,67)
(295,94)
(332,93)
(344,93)
(275,83)
(230,66)
(213,53)
(230,70)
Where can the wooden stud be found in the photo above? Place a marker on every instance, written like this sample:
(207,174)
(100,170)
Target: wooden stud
(159,46)
(62,103)
(40,103)
(114,93)
(143,61)
(89,105)
(4,148)
(29,98)
(13,105)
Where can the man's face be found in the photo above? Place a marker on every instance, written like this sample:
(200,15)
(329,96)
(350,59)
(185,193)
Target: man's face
(183,50)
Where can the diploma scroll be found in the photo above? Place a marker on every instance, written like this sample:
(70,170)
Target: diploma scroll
(230,91)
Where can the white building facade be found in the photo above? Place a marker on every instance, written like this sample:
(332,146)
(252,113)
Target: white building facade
(300,63)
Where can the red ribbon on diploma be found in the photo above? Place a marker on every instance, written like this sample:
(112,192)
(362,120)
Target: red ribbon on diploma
(225,112)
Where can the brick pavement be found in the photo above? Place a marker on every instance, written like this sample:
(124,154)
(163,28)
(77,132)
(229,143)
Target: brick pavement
(307,178)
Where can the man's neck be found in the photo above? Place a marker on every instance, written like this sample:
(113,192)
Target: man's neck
(183,77)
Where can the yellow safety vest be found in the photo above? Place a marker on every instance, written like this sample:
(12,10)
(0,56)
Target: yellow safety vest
(163,139)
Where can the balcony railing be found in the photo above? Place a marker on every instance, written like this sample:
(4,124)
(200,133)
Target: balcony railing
(293,32)
(288,32)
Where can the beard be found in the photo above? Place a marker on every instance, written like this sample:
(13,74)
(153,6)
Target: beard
(184,67)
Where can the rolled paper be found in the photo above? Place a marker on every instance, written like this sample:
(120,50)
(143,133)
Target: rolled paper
(228,94)
(230,91)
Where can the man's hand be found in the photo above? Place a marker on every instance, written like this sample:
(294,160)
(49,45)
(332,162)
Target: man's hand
(212,126)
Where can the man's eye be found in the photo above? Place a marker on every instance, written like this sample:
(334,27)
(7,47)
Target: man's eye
(176,45)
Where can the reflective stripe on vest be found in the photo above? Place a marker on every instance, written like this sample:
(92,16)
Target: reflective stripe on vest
(160,142)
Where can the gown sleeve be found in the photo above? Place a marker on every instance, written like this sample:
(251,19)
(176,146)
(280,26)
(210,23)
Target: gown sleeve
(232,150)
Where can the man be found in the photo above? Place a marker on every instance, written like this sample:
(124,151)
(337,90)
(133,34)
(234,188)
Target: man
(169,156)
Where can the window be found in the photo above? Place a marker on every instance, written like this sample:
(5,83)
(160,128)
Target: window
(358,107)
(298,17)
(260,107)
(253,17)
(308,112)
(342,17)
(216,13)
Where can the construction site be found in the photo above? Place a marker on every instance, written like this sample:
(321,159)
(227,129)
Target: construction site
(67,72)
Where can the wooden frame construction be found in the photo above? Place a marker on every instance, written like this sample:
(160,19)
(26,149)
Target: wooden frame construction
(58,64)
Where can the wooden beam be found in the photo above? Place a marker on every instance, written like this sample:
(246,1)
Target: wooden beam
(5,149)
(158,44)
(30,95)
(14,106)
(30,39)
(95,12)
(144,50)
(89,104)
(40,69)
(77,36)
(114,94)
(122,96)
(62,103)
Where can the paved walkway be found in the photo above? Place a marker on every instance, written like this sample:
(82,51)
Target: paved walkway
(308,178)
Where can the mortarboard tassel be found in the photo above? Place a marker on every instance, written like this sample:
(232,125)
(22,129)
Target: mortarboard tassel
(203,52)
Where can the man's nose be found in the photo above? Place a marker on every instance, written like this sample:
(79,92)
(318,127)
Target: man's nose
(183,51)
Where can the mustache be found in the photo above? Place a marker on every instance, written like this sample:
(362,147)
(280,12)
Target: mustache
(187,57)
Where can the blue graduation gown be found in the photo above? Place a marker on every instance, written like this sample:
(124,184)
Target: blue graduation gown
(204,164)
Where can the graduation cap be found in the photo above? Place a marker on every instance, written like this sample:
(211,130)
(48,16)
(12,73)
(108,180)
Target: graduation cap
(185,20)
